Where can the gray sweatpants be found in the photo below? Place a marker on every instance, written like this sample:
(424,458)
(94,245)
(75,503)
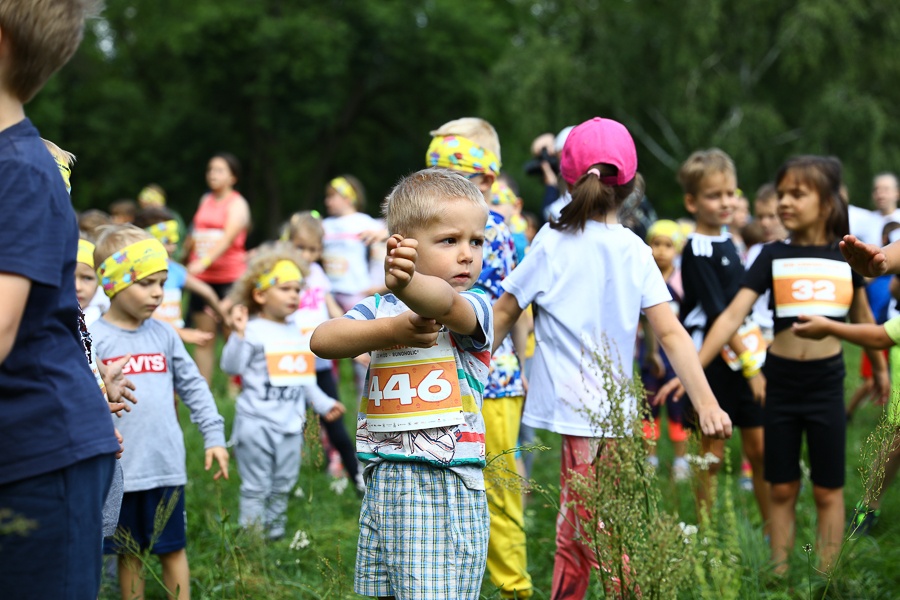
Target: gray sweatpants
(269,465)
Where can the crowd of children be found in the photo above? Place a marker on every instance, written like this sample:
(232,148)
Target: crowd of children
(434,307)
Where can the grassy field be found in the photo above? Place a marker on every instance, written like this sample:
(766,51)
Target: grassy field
(316,558)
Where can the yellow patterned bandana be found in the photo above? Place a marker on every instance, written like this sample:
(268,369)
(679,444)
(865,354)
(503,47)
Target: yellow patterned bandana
(66,171)
(343,187)
(282,272)
(502,195)
(669,229)
(166,231)
(151,197)
(131,264)
(85,253)
(461,154)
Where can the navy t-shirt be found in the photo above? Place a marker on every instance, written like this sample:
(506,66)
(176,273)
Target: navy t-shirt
(52,414)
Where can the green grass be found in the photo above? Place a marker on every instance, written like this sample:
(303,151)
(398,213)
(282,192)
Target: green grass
(226,563)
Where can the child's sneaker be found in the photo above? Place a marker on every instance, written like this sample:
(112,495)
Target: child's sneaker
(653,462)
(863,520)
(681,470)
(335,466)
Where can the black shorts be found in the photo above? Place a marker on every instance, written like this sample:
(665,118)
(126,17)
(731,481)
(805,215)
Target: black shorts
(805,396)
(137,519)
(196,304)
(733,394)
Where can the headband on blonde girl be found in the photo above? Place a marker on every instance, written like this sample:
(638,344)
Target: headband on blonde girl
(85,253)
(166,231)
(461,154)
(502,195)
(343,187)
(669,229)
(131,264)
(151,197)
(282,272)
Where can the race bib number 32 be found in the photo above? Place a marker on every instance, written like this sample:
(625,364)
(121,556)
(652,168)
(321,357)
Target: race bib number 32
(811,286)
(412,388)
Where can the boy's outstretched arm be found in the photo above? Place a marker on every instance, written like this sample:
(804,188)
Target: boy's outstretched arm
(869,335)
(348,338)
(714,422)
(869,260)
(428,296)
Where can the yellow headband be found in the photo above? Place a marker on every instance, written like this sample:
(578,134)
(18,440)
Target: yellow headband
(282,272)
(166,231)
(132,263)
(461,154)
(65,170)
(343,187)
(502,195)
(152,197)
(85,253)
(669,229)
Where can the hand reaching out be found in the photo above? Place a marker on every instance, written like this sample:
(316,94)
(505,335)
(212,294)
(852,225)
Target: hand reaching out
(239,316)
(814,327)
(336,412)
(412,330)
(400,263)
(119,388)
(866,259)
(220,455)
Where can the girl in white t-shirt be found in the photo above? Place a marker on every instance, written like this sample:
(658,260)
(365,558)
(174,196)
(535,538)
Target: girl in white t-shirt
(348,233)
(317,305)
(589,279)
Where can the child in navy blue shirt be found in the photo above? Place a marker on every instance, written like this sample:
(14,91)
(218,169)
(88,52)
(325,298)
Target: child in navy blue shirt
(56,438)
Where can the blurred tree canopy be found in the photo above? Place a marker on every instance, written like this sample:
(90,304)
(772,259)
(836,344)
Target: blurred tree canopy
(302,91)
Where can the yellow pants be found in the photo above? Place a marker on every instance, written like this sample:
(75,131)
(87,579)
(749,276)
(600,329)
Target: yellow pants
(507,562)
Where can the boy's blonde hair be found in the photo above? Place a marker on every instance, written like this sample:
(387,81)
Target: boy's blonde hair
(304,222)
(112,238)
(263,260)
(418,199)
(700,164)
(477,130)
(91,220)
(42,35)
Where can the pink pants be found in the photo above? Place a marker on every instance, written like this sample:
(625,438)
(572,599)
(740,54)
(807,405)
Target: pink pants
(574,560)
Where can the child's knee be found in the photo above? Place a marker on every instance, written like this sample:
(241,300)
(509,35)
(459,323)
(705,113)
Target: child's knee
(785,493)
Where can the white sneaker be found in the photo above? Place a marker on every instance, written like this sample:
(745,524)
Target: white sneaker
(681,470)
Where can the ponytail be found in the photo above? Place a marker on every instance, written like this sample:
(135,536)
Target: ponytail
(591,197)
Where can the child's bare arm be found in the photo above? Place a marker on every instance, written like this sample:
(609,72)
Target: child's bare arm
(347,338)
(869,335)
(428,296)
(869,260)
(334,309)
(676,342)
(506,314)
(861,313)
(14,291)
(726,325)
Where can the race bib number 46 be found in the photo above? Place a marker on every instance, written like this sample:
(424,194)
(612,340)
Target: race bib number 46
(290,363)
(811,286)
(413,388)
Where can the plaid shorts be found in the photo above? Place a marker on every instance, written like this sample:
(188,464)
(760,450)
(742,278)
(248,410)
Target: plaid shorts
(422,534)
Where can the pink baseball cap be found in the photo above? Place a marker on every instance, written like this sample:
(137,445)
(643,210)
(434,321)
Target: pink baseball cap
(599,141)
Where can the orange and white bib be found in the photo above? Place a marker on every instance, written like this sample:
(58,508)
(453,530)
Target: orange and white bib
(205,240)
(413,388)
(290,362)
(811,286)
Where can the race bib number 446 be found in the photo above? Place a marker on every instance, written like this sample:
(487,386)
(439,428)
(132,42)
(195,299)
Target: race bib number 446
(413,388)
(811,286)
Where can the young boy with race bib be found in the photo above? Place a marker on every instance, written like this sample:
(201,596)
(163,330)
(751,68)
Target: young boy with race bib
(424,520)
(132,268)
(278,373)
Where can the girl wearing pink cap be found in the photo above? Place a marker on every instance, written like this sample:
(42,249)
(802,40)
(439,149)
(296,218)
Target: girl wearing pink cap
(596,307)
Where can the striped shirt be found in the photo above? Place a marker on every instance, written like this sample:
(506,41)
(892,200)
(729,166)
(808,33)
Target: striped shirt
(458,447)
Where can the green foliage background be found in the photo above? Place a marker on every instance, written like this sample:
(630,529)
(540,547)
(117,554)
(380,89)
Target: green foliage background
(302,91)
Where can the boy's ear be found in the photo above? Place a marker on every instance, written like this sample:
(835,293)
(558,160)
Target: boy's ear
(485,182)
(690,203)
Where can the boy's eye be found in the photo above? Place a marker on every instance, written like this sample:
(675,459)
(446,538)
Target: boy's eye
(478,243)
(449,240)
